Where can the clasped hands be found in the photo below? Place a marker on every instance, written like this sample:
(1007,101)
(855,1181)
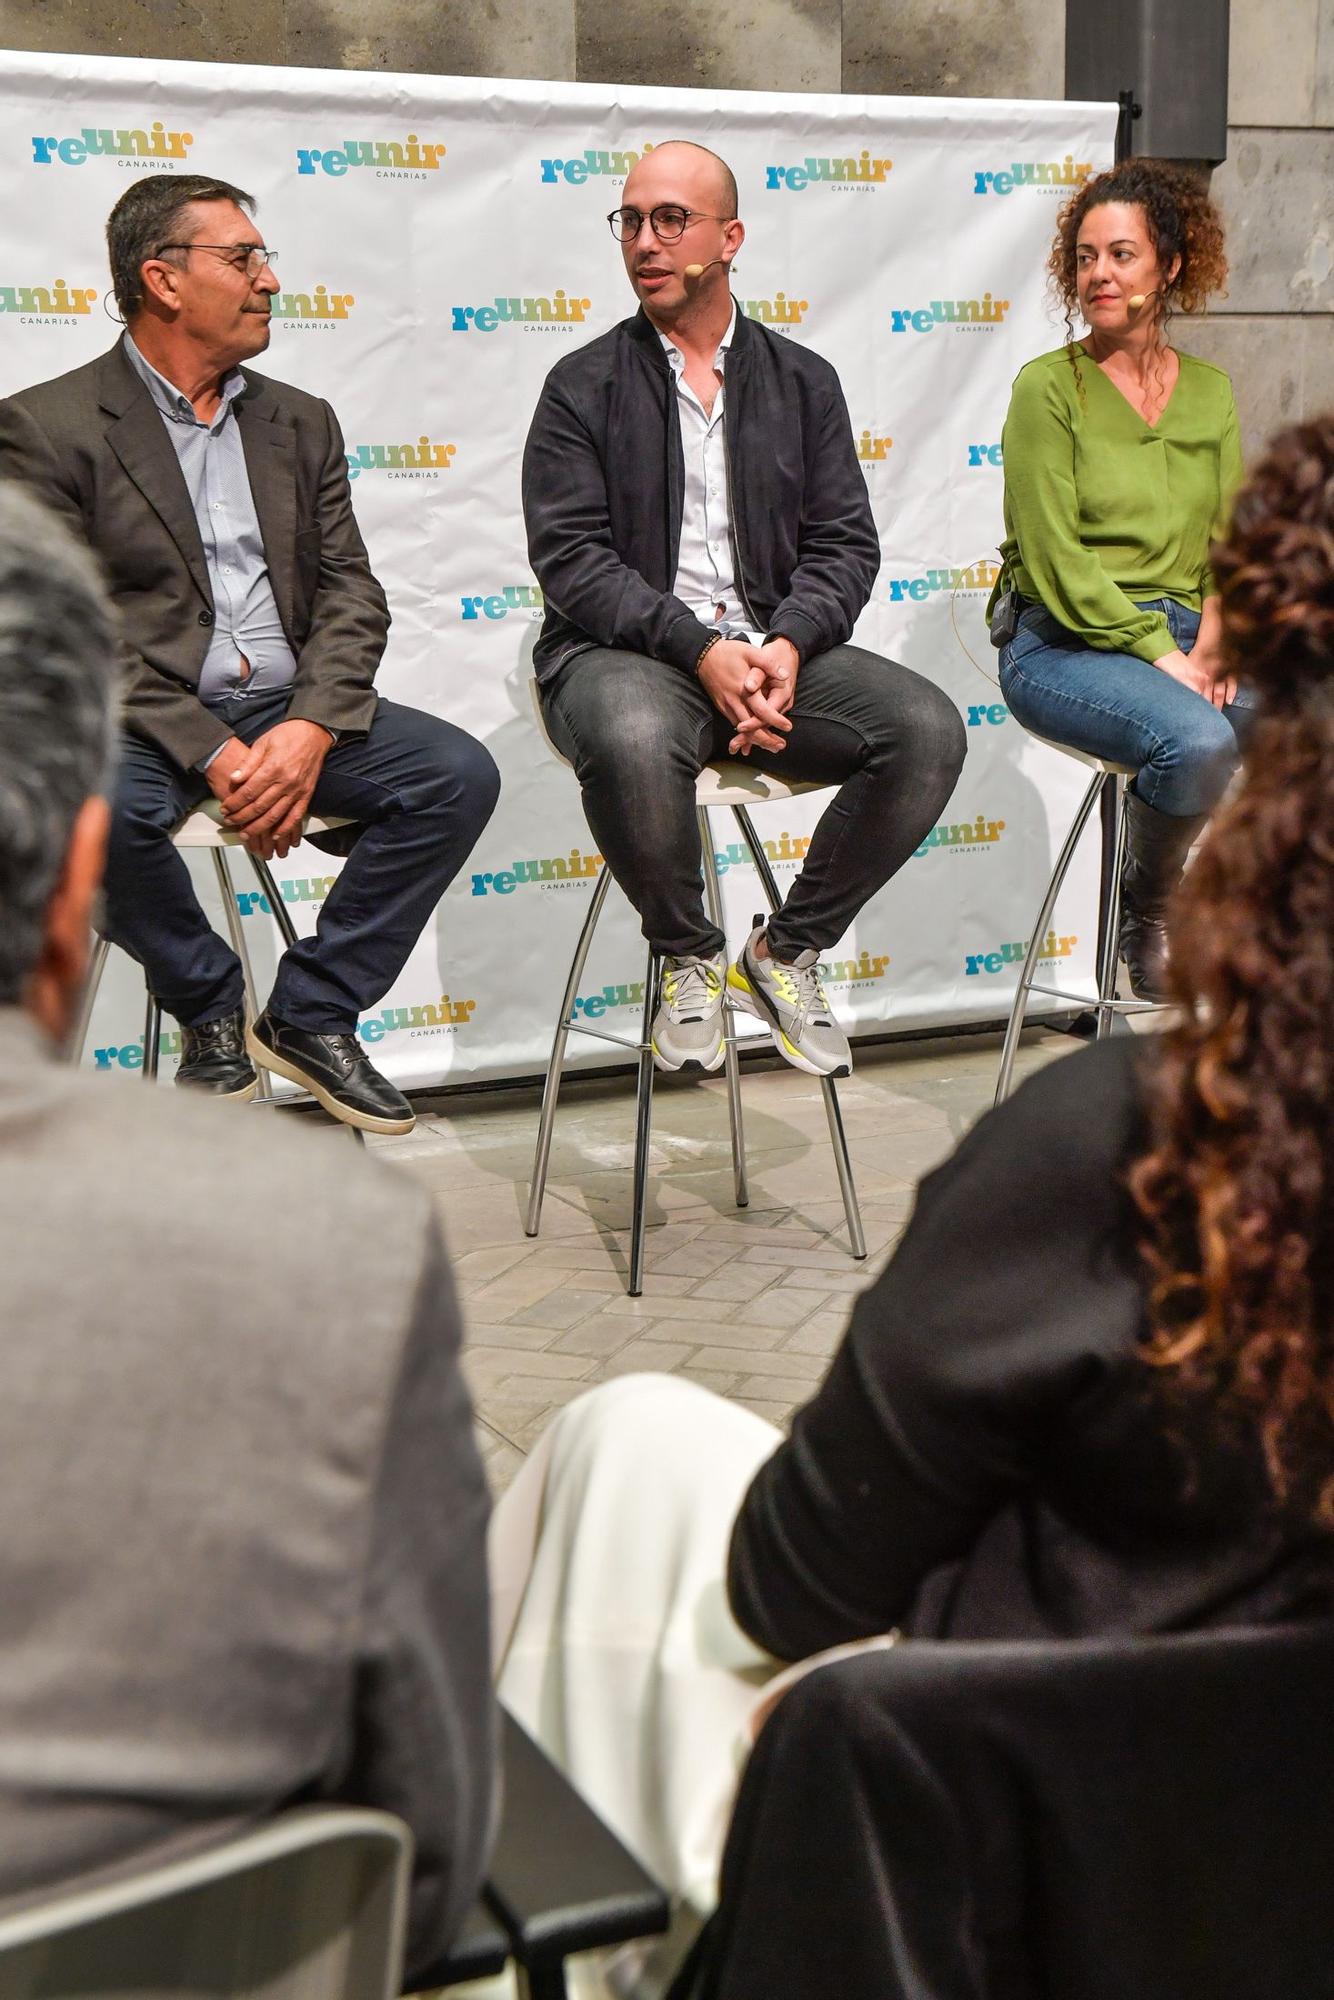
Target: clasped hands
(754,687)
(265,787)
(1202,669)
(1202,672)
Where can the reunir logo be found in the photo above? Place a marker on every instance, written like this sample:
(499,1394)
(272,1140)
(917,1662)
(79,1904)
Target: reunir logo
(37,302)
(556,313)
(423,460)
(410,159)
(873,450)
(847,173)
(780,310)
(995,961)
(964,315)
(317,308)
(592,164)
(156,147)
(544,869)
(499,603)
(979,832)
(1060,176)
(978,576)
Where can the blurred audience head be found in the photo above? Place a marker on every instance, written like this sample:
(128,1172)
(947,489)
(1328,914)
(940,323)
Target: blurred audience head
(1235,1192)
(58,655)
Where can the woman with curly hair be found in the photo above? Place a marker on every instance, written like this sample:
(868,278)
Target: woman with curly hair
(1092,1393)
(1121,456)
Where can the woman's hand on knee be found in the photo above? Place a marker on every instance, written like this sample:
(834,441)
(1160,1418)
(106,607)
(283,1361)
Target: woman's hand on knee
(1200,676)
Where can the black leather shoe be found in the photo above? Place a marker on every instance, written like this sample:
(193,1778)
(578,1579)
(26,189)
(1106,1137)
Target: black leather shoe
(214,1061)
(336,1070)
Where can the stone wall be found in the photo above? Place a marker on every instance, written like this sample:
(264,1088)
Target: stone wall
(1274,333)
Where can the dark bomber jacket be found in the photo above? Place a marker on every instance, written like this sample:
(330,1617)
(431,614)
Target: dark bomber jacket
(603,484)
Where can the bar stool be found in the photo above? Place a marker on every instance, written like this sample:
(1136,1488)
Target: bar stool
(204,828)
(1106,788)
(738,786)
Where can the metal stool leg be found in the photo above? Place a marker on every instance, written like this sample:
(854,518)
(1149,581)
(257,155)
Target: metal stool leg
(278,910)
(1014,1025)
(837,1136)
(732,1067)
(92,985)
(236,931)
(838,1140)
(152,1036)
(551,1088)
(1109,897)
(643,1123)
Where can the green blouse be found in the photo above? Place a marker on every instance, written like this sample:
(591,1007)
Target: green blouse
(1102,509)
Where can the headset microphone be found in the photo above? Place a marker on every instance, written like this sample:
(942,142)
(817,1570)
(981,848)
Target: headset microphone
(698,270)
(1138,299)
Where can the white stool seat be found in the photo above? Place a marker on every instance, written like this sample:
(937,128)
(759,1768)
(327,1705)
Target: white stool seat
(737,783)
(1084,757)
(204,828)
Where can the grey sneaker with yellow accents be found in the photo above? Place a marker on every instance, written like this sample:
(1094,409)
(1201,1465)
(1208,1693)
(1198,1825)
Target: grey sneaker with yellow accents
(789,999)
(688,1026)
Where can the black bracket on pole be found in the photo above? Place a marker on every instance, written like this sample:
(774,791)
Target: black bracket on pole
(1129,112)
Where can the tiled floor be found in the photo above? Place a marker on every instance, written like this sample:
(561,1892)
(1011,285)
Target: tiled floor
(749,1302)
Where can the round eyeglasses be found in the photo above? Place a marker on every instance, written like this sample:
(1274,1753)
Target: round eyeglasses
(667,222)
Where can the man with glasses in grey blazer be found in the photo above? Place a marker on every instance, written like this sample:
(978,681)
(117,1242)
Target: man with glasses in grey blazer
(243,1560)
(251,629)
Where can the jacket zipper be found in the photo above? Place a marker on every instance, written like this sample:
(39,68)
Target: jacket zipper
(738,572)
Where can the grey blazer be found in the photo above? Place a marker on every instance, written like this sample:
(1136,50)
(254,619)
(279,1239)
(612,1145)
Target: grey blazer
(94,447)
(242,1560)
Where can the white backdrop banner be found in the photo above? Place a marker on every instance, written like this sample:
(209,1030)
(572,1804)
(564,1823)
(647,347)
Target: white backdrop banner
(441,243)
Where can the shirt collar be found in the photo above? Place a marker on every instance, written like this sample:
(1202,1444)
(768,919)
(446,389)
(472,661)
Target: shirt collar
(173,403)
(677,361)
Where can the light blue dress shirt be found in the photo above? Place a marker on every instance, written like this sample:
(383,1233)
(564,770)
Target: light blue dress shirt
(246,626)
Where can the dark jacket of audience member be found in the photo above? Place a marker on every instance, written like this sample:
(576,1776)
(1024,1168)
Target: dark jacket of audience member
(1094,1391)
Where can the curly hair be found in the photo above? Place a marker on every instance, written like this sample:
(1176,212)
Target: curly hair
(1235,1195)
(1181,219)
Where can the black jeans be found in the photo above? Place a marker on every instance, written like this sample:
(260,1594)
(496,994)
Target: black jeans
(422,792)
(638,733)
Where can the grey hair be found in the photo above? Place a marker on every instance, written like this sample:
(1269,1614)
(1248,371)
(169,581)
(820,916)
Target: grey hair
(58,674)
(150,215)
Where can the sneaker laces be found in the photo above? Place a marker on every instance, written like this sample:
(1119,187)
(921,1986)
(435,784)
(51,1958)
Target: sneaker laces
(800,986)
(691,987)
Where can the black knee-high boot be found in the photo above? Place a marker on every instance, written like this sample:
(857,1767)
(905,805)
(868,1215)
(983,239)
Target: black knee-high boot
(1157,844)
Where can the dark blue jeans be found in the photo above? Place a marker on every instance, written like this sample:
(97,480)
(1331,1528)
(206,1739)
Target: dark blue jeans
(639,732)
(421,790)
(1182,749)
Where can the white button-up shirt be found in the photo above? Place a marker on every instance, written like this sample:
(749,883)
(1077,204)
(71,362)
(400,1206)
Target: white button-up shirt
(705,579)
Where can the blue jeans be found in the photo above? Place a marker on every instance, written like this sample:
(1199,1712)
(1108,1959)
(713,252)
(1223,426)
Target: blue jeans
(1182,749)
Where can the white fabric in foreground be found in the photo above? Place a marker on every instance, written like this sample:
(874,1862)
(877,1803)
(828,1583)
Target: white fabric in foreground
(613,1640)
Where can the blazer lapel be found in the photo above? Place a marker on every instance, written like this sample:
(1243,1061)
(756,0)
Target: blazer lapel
(269,444)
(139,439)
